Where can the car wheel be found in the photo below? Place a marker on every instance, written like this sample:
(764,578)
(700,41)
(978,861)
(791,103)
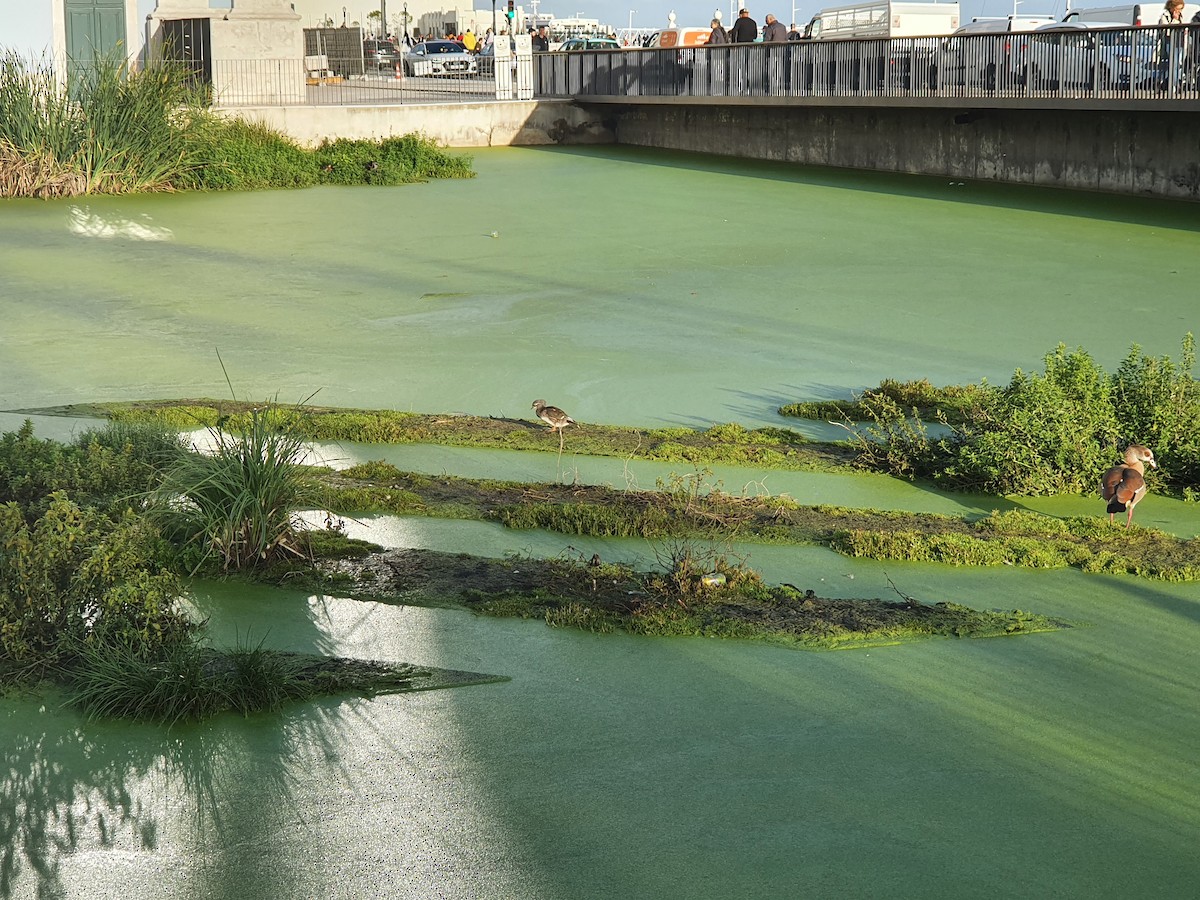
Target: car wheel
(933,78)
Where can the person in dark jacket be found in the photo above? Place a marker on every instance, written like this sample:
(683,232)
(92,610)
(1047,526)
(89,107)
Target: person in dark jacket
(773,31)
(744,30)
(718,35)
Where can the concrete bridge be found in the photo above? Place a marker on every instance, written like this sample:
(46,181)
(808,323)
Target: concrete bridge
(992,107)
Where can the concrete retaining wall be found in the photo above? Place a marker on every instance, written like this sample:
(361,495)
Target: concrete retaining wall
(1149,152)
(483,124)
(1125,151)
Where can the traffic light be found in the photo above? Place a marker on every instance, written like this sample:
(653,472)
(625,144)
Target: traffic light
(512,12)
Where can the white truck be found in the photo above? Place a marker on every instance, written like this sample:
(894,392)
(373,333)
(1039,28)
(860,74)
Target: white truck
(883,19)
(892,44)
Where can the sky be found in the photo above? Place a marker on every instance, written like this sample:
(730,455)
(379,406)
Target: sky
(25,24)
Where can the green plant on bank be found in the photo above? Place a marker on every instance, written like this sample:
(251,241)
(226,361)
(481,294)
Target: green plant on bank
(237,502)
(774,448)
(679,600)
(1048,433)
(108,129)
(74,579)
(232,154)
(690,507)
(107,467)
(112,128)
(919,398)
(191,682)
(236,155)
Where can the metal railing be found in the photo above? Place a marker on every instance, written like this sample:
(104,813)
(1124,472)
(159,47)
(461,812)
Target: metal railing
(323,81)
(1084,63)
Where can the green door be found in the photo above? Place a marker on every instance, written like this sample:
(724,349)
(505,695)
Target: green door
(94,28)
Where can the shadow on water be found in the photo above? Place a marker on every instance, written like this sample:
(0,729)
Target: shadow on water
(70,786)
(1155,212)
(807,763)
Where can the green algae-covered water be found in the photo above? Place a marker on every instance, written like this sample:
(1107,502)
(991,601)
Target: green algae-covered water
(645,289)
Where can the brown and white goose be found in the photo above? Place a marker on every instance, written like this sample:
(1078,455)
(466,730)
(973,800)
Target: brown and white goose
(1124,485)
(552,416)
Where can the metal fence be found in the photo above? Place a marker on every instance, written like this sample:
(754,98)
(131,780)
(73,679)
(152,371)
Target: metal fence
(1066,62)
(322,81)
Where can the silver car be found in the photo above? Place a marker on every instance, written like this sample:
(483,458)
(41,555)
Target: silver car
(440,58)
(1086,55)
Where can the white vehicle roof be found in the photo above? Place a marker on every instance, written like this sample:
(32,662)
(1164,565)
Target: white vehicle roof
(1131,14)
(981,25)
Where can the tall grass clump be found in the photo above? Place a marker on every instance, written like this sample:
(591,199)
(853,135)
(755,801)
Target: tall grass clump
(106,128)
(237,502)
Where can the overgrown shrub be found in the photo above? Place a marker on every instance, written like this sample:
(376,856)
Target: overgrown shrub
(75,578)
(1043,434)
(235,155)
(108,467)
(1048,433)
(394,160)
(1157,403)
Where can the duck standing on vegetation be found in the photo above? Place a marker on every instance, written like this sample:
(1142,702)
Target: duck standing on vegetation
(554,417)
(1124,485)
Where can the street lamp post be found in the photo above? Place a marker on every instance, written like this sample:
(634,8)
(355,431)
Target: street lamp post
(631,12)
(493,22)
(383,19)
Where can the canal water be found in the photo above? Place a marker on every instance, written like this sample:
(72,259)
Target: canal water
(635,288)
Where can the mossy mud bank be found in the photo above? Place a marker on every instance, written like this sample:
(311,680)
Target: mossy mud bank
(682,507)
(700,594)
(727,444)
(685,510)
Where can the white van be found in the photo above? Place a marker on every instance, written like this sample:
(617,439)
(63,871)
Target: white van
(882,19)
(1137,14)
(991,25)
(993,59)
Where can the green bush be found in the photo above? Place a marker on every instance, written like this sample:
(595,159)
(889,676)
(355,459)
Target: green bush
(1157,403)
(235,155)
(1044,434)
(395,160)
(74,578)
(108,467)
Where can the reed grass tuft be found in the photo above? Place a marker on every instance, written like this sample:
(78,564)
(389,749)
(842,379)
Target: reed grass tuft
(238,502)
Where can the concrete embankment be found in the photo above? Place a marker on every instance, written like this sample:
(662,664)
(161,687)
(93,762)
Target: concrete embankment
(1149,152)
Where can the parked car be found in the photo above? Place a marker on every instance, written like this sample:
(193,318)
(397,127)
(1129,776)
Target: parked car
(1086,54)
(1136,14)
(380,55)
(590,43)
(440,58)
(994,58)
